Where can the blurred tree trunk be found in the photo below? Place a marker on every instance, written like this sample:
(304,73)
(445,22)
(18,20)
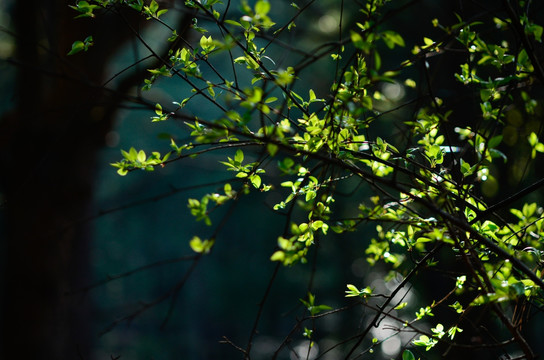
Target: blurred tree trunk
(49,145)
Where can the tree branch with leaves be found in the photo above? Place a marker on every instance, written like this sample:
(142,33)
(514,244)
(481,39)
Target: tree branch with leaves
(430,164)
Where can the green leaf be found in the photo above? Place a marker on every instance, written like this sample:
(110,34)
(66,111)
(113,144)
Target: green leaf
(153,6)
(533,139)
(352,288)
(196,244)
(262,7)
(122,172)
(255,181)
(494,141)
(201,246)
(77,46)
(408,355)
(312,95)
(239,156)
(278,256)
(158,109)
(272,149)
(141,156)
(357,40)
(232,22)
(392,38)
(161,12)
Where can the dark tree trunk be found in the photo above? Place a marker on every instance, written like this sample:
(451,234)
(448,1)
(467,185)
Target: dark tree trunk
(49,144)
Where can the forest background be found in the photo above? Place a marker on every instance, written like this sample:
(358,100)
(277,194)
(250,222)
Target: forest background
(95,265)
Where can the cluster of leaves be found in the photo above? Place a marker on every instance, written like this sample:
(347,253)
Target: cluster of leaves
(425,178)
(134,159)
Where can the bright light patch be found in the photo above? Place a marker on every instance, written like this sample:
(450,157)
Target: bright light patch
(327,23)
(392,346)
(303,351)
(393,92)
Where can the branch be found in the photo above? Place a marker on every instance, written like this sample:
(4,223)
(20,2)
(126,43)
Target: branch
(111,278)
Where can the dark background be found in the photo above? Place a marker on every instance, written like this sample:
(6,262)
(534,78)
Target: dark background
(69,221)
